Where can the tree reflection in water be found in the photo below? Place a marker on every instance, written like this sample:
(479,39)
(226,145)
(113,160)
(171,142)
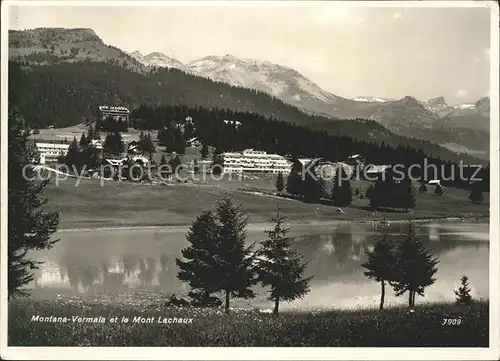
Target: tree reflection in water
(147,271)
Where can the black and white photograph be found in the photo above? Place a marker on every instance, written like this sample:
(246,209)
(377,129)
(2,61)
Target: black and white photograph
(304,179)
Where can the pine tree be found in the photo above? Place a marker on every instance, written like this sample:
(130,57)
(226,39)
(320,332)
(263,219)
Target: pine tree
(30,227)
(476,195)
(180,143)
(146,144)
(217,161)
(380,264)
(161,136)
(163,170)
(200,265)
(83,141)
(74,156)
(295,183)
(175,163)
(188,131)
(375,194)
(236,273)
(90,133)
(415,267)
(463,293)
(341,190)
(113,144)
(408,198)
(280,267)
(280,183)
(314,187)
(169,140)
(217,259)
(204,151)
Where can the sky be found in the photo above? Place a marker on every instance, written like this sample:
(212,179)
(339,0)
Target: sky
(350,51)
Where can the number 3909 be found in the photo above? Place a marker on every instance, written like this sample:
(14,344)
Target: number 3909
(451,321)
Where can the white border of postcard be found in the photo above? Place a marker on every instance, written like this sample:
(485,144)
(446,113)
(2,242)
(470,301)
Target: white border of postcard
(267,353)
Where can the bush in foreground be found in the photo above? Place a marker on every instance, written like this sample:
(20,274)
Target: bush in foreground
(367,328)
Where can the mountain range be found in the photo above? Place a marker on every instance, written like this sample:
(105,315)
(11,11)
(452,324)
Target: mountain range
(457,127)
(462,128)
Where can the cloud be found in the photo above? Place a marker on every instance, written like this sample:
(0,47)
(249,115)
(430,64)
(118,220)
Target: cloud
(461,93)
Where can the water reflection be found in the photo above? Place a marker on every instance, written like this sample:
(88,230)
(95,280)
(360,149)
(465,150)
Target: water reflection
(128,260)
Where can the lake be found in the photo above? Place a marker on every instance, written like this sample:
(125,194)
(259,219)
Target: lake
(113,262)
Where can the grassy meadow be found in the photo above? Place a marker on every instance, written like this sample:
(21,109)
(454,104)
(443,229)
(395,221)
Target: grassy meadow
(115,204)
(394,327)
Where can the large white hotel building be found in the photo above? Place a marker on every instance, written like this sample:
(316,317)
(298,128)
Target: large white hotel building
(251,160)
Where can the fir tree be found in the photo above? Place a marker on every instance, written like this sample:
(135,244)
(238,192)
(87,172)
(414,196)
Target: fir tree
(217,161)
(237,273)
(295,183)
(74,156)
(408,197)
(280,183)
(280,267)
(463,293)
(113,144)
(314,187)
(168,140)
(180,143)
(161,136)
(83,141)
(188,131)
(164,171)
(415,267)
(217,259)
(476,195)
(90,133)
(380,264)
(200,266)
(341,190)
(175,163)
(146,144)
(375,193)
(30,226)
(204,151)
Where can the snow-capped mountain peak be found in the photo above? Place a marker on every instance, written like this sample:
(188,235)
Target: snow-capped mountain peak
(465,106)
(372,99)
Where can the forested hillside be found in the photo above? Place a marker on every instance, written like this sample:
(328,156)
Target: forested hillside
(281,137)
(69,93)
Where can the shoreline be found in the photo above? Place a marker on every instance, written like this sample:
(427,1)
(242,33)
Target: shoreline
(261,226)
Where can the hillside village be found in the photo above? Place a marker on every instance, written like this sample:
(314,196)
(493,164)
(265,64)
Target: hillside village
(176,154)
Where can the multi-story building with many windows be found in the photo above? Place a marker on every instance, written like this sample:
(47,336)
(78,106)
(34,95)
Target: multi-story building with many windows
(120,114)
(251,160)
(49,152)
